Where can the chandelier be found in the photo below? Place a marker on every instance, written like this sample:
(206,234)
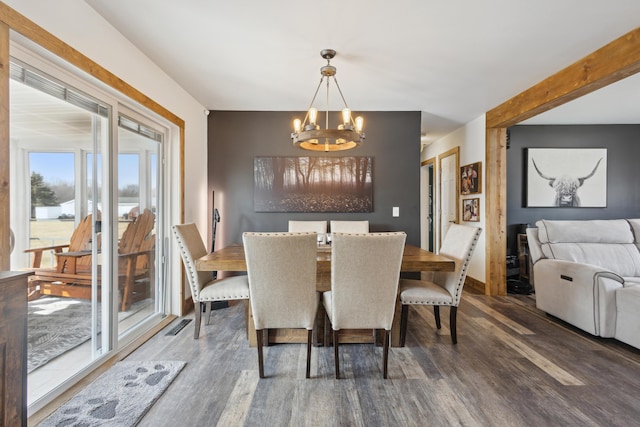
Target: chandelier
(307,134)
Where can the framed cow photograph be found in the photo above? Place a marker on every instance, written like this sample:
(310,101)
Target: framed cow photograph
(566,177)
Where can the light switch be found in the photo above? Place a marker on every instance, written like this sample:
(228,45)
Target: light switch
(396,212)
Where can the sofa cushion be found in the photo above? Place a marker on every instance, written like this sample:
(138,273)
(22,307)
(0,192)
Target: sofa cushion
(635,227)
(631,281)
(628,315)
(592,231)
(605,243)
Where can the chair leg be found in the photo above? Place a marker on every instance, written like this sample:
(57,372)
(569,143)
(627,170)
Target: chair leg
(385,354)
(452,324)
(436,314)
(259,339)
(335,353)
(198,309)
(318,327)
(327,330)
(404,319)
(309,341)
(207,312)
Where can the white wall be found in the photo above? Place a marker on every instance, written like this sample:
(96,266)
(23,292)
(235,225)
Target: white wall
(471,138)
(78,25)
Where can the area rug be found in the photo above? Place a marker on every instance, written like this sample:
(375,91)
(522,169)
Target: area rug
(119,397)
(57,325)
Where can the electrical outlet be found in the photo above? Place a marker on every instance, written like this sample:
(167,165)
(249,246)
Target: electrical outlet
(396,212)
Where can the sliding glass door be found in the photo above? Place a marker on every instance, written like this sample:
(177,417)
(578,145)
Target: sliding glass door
(138,197)
(58,135)
(86,211)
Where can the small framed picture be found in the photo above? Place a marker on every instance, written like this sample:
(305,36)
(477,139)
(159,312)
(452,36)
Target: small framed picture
(471,210)
(471,179)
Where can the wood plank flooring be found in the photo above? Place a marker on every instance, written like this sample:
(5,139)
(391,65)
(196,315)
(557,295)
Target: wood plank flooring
(512,366)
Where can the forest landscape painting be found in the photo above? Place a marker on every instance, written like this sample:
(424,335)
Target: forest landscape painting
(313,184)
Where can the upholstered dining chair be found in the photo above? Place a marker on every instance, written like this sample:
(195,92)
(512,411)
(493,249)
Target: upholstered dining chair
(365,269)
(282,284)
(319,227)
(203,289)
(444,288)
(349,226)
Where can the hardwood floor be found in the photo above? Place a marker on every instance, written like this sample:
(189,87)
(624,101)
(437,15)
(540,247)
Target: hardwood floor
(512,366)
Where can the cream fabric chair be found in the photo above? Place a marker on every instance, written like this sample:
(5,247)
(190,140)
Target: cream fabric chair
(319,227)
(282,283)
(203,289)
(445,288)
(349,226)
(365,269)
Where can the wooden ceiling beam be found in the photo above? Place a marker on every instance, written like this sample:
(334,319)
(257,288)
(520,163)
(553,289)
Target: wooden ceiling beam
(612,62)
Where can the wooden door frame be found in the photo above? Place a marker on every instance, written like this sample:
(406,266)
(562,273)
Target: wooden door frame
(453,151)
(609,64)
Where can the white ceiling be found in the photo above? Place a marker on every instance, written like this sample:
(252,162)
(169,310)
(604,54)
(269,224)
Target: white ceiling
(618,103)
(451,60)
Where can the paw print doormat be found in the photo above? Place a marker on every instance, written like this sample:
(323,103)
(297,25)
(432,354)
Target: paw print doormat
(119,397)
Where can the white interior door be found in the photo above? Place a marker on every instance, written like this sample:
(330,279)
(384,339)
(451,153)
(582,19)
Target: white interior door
(448,192)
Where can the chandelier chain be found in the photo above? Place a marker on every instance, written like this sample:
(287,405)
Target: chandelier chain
(340,92)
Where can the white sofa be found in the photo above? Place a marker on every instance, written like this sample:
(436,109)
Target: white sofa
(587,273)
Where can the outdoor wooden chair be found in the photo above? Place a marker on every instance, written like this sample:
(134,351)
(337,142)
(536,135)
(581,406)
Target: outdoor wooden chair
(72,275)
(78,242)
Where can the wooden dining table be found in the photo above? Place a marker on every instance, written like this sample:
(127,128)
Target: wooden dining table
(232,259)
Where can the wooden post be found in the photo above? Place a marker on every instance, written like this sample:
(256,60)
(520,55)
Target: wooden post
(613,62)
(5,251)
(496,203)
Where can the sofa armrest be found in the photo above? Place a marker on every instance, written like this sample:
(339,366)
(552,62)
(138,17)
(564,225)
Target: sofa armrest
(581,294)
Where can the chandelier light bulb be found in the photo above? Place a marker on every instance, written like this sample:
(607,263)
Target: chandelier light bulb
(297,125)
(359,124)
(313,115)
(346,116)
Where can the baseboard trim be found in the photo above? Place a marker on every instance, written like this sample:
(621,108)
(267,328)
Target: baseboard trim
(475,285)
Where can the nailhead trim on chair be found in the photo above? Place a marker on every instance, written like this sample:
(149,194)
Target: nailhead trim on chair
(192,277)
(422,302)
(463,274)
(460,285)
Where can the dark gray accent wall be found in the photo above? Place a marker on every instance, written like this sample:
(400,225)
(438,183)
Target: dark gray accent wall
(236,137)
(623,180)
